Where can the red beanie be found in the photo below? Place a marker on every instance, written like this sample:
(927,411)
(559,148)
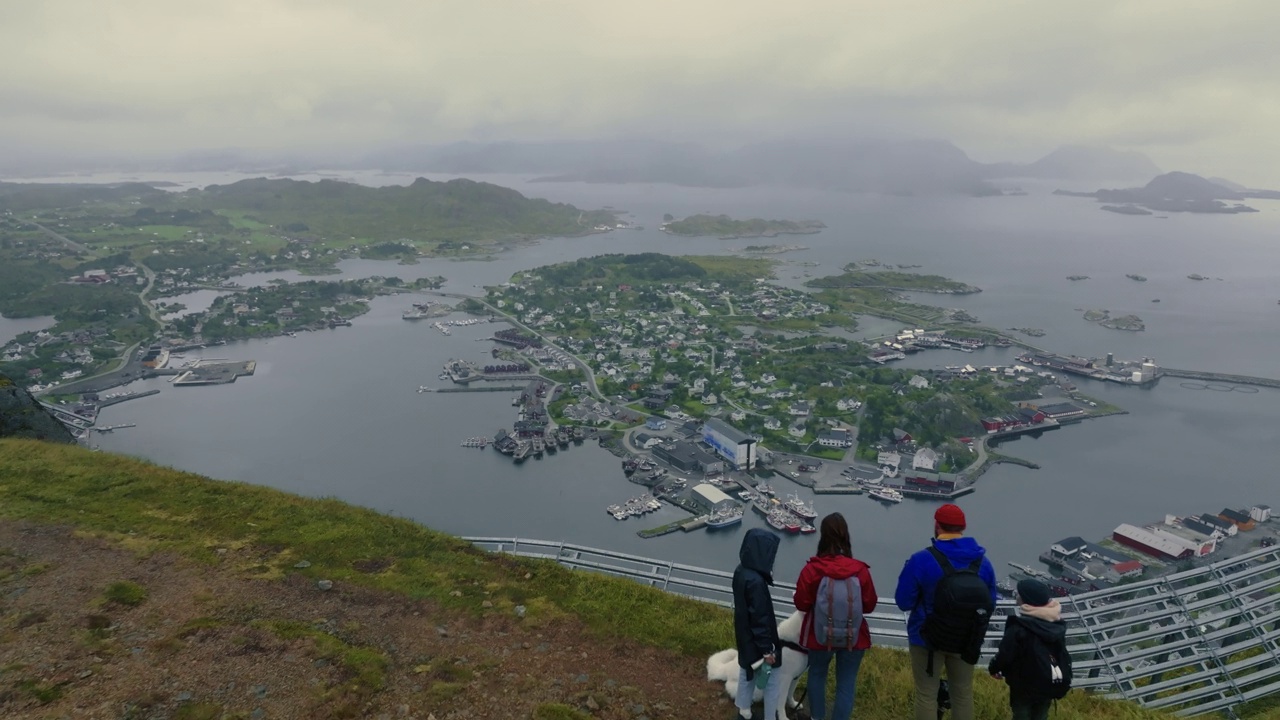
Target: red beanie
(950,515)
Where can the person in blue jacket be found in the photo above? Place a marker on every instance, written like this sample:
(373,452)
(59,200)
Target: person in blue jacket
(755,628)
(916,583)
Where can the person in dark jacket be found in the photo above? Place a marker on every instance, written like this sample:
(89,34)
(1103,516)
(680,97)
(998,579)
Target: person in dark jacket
(1039,616)
(834,560)
(916,584)
(755,627)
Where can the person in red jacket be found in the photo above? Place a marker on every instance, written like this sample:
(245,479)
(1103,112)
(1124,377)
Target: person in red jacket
(834,560)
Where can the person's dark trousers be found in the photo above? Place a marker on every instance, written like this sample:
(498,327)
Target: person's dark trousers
(847,664)
(1034,710)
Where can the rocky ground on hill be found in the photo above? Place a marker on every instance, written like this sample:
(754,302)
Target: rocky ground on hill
(92,629)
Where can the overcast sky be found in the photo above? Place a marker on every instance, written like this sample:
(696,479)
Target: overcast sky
(1195,85)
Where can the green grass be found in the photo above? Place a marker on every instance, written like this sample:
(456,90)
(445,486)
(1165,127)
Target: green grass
(558,711)
(125,593)
(150,508)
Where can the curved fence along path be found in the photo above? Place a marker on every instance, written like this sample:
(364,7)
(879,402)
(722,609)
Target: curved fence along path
(1201,641)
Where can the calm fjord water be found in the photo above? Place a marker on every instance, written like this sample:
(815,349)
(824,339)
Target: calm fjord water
(335,413)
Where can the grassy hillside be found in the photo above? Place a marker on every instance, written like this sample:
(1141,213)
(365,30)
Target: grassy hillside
(457,210)
(148,508)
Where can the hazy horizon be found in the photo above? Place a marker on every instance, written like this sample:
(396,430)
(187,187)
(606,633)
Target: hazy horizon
(141,81)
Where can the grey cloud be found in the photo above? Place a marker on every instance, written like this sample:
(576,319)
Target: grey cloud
(1188,83)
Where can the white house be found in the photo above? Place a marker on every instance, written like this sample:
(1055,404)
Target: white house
(925,459)
(772,424)
(918,381)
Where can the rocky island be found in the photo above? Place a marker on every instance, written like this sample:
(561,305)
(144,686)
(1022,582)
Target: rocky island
(771,249)
(1077,277)
(1175,192)
(725,227)
(1131,323)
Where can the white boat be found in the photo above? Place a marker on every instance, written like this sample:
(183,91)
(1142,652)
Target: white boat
(887,494)
(725,517)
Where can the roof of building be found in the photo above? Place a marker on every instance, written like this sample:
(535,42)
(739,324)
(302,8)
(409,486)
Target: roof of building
(1214,520)
(1059,408)
(1198,526)
(1164,544)
(1235,516)
(1127,566)
(711,493)
(728,431)
(1072,543)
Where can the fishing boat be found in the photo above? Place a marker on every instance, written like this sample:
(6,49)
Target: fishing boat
(800,508)
(725,518)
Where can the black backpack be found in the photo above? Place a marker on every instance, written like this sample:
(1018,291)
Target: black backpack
(962,608)
(1046,668)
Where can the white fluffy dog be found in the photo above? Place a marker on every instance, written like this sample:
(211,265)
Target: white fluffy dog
(723,667)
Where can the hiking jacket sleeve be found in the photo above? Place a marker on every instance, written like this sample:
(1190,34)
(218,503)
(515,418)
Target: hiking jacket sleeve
(869,597)
(807,588)
(907,596)
(1008,650)
(988,574)
(763,624)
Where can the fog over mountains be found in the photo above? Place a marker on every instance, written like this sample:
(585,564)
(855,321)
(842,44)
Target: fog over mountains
(893,166)
(888,166)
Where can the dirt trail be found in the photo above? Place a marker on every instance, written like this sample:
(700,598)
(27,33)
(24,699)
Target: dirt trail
(212,642)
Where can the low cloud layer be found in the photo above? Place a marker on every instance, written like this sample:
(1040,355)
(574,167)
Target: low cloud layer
(1194,86)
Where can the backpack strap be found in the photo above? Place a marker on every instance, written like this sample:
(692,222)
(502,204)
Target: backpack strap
(848,621)
(831,600)
(943,561)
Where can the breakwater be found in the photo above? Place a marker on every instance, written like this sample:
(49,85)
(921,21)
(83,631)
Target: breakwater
(489,388)
(1221,377)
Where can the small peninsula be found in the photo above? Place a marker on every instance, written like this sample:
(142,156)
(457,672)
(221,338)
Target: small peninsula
(726,227)
(853,277)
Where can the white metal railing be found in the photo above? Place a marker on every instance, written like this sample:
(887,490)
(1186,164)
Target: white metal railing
(1200,641)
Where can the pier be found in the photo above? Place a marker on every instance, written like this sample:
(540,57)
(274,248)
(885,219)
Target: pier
(109,401)
(1203,376)
(836,490)
(486,388)
(215,373)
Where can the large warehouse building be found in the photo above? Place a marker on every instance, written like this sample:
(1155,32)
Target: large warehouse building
(730,443)
(712,497)
(1162,547)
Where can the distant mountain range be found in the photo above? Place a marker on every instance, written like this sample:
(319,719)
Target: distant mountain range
(905,167)
(1074,162)
(1179,192)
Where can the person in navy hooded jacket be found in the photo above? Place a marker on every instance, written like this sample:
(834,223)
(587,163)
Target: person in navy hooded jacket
(916,584)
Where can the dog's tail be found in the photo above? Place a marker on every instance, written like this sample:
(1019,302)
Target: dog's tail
(723,665)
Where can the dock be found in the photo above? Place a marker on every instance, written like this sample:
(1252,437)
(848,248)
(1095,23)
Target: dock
(1221,377)
(485,388)
(677,526)
(837,490)
(108,402)
(215,373)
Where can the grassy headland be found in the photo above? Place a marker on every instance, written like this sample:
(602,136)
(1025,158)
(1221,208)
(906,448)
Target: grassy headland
(149,509)
(890,280)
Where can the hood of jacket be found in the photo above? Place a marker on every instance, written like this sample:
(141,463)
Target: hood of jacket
(838,567)
(759,548)
(960,551)
(1044,622)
